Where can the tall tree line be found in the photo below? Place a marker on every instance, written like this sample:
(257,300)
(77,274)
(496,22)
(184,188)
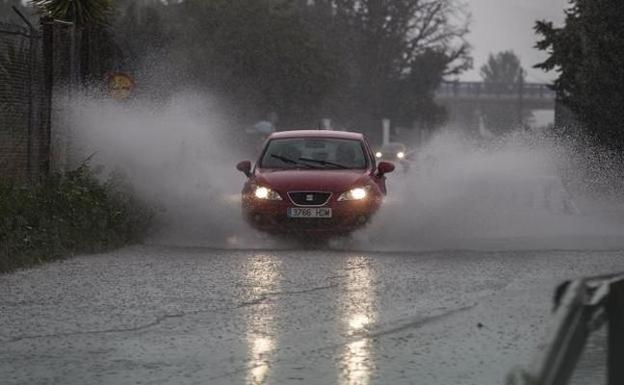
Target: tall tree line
(355,61)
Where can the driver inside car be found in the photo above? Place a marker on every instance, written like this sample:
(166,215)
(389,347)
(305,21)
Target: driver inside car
(345,154)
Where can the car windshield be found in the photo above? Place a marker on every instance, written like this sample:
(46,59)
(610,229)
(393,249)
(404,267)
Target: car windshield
(317,153)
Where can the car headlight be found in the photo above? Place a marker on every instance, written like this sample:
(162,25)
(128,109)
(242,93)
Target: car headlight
(401,155)
(378,154)
(355,194)
(266,194)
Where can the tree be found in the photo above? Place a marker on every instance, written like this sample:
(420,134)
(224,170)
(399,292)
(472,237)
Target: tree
(81,12)
(504,68)
(588,54)
(503,73)
(410,99)
(89,34)
(140,28)
(388,48)
(255,54)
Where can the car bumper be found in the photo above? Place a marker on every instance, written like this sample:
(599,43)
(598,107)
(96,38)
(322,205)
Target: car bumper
(272,217)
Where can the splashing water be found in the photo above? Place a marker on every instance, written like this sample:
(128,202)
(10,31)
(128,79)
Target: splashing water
(458,194)
(507,195)
(177,155)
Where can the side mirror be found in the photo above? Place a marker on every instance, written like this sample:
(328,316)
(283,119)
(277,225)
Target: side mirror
(244,167)
(385,168)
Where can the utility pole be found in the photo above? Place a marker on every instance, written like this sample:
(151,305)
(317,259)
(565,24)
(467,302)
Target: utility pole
(521,99)
(385,133)
(47,28)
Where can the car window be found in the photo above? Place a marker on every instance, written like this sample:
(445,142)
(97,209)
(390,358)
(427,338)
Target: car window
(314,153)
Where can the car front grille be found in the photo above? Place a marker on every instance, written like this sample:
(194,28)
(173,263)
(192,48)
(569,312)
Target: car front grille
(309,198)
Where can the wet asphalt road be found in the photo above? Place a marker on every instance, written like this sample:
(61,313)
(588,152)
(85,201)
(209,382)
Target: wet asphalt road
(160,315)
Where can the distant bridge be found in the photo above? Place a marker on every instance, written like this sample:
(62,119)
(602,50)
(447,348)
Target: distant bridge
(465,100)
(532,93)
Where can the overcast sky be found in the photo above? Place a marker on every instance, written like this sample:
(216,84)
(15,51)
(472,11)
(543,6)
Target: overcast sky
(499,25)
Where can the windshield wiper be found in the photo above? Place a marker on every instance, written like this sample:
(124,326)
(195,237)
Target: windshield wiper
(324,162)
(288,160)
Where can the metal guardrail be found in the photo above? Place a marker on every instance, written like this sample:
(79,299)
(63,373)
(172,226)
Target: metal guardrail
(581,307)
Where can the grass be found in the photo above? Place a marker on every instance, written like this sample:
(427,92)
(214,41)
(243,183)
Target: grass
(68,213)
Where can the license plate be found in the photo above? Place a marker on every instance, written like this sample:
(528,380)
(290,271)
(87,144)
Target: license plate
(315,212)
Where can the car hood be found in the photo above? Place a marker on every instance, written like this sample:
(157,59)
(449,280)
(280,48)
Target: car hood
(311,180)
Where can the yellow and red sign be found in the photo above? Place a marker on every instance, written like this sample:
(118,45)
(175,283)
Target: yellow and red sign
(120,85)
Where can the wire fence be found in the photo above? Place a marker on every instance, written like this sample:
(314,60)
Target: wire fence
(25,103)
(42,70)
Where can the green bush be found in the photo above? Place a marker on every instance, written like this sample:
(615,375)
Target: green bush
(67,213)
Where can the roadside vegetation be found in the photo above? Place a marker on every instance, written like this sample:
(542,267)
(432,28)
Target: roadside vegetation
(68,213)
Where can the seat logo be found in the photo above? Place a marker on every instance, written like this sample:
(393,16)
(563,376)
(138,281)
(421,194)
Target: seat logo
(309,197)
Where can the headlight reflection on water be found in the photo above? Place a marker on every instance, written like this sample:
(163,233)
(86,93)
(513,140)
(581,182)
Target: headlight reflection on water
(357,359)
(261,348)
(358,321)
(262,276)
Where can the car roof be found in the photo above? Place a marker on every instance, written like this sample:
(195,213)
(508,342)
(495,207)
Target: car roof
(317,134)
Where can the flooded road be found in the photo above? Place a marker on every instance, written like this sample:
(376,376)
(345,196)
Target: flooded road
(155,314)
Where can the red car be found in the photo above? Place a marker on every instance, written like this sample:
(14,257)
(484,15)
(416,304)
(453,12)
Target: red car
(323,183)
